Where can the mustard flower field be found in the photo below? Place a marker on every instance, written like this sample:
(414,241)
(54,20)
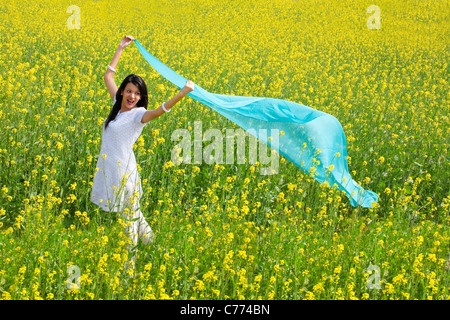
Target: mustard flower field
(225,231)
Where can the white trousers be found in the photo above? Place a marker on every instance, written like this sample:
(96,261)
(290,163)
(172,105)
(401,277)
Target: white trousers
(137,227)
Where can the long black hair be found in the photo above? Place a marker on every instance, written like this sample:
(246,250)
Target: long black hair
(143,102)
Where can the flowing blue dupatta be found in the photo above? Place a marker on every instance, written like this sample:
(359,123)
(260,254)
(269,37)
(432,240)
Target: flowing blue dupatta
(313,140)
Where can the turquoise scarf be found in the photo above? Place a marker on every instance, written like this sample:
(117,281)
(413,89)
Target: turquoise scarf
(310,138)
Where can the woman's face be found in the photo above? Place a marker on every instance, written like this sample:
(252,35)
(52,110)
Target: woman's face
(130,96)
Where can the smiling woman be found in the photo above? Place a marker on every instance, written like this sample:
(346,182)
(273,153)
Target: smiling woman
(130,95)
(117,184)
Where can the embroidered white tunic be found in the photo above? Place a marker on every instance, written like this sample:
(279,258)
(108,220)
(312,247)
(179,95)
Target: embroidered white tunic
(117,183)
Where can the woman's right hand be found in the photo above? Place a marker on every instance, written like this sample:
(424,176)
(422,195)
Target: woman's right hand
(126,41)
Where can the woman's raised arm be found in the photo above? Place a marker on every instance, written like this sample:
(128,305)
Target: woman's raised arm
(155,113)
(109,74)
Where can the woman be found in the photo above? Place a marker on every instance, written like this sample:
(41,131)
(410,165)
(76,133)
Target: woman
(117,185)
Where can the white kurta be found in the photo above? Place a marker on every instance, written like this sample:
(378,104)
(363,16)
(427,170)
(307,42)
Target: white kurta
(117,183)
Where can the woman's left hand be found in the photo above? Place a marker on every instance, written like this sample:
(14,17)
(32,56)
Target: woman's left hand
(188,87)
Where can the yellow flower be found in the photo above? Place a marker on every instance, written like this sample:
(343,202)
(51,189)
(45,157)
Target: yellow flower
(319,288)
